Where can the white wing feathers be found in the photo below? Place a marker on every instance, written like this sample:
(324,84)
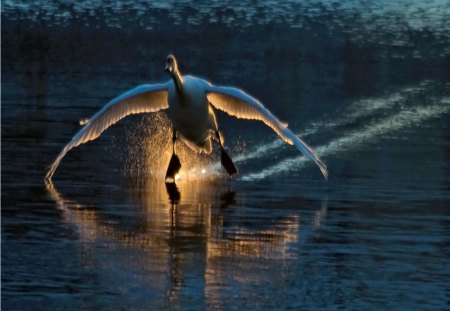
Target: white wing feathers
(241,105)
(307,151)
(144,98)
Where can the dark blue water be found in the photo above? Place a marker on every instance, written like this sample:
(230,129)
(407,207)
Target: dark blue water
(366,84)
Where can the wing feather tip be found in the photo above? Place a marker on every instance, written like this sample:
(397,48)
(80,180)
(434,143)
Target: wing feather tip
(49,174)
(323,168)
(324,171)
(83,121)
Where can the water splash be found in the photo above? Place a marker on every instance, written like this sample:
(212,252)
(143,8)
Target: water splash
(149,148)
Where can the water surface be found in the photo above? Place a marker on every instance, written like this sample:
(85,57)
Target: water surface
(366,84)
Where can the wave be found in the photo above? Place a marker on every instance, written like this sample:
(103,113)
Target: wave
(370,133)
(357,110)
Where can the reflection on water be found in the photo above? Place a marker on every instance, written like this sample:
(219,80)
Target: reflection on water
(175,216)
(171,228)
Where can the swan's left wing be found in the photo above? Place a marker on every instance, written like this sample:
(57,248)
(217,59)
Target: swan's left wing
(241,105)
(144,98)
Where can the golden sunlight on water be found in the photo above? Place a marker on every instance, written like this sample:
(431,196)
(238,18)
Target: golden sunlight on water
(172,221)
(149,148)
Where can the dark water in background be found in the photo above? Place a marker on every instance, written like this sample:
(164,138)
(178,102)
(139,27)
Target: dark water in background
(367,85)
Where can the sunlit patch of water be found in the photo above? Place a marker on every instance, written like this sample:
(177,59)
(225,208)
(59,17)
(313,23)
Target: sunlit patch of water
(149,148)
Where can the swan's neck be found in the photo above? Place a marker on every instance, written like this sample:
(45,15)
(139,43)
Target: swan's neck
(178,80)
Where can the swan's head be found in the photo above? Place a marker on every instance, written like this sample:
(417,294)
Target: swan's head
(171,64)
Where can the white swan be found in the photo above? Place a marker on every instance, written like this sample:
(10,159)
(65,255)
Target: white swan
(190,103)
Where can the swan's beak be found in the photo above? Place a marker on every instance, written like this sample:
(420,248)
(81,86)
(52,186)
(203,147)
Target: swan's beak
(169,67)
(171,64)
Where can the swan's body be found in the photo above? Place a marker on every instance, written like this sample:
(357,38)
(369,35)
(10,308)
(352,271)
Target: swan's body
(189,102)
(197,130)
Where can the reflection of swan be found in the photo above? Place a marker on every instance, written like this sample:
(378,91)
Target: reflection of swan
(190,104)
(167,244)
(224,233)
(173,192)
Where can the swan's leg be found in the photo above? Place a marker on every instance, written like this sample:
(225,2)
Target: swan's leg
(174,139)
(174,164)
(225,159)
(227,163)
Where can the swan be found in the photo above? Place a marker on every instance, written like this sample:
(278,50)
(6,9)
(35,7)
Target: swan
(190,103)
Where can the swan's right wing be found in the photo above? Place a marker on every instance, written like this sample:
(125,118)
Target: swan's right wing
(237,103)
(144,98)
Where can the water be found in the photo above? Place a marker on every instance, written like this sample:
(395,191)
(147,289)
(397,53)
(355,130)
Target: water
(366,84)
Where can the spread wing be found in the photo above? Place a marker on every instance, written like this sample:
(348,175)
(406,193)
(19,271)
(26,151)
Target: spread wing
(144,98)
(237,103)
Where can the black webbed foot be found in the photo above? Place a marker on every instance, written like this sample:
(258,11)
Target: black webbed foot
(174,164)
(173,192)
(225,159)
(173,169)
(227,163)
